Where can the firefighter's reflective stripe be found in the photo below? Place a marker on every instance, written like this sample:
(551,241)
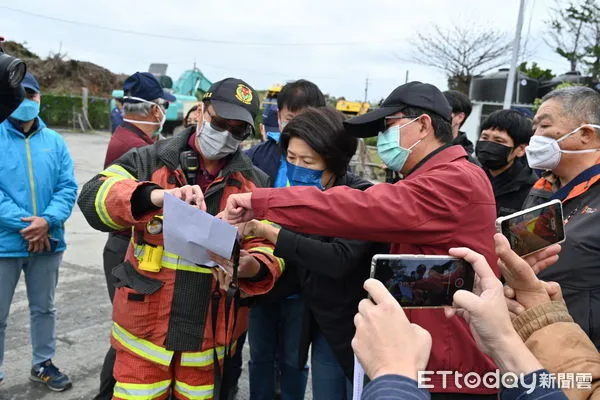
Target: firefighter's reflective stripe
(194,392)
(141,391)
(141,347)
(172,261)
(116,171)
(269,251)
(100,204)
(203,358)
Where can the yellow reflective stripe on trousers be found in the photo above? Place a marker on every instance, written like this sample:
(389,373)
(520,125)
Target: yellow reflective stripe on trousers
(141,391)
(194,392)
(203,358)
(269,251)
(100,204)
(172,261)
(141,347)
(116,171)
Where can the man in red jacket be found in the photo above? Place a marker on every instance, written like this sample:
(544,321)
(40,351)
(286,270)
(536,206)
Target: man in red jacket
(443,201)
(145,105)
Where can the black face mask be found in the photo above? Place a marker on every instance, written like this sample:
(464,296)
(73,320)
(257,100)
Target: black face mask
(492,155)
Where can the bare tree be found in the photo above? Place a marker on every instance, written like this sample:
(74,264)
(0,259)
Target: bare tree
(569,29)
(462,52)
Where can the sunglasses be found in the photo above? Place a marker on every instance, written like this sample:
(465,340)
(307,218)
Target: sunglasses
(239,132)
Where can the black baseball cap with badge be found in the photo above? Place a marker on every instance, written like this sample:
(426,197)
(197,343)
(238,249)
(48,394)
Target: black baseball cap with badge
(233,99)
(411,94)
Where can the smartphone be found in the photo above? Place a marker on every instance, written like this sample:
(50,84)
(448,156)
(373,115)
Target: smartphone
(533,229)
(419,281)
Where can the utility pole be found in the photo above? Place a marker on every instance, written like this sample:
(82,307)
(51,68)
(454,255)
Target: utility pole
(510,81)
(406,79)
(366,88)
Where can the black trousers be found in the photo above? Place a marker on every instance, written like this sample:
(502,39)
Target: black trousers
(113,255)
(232,369)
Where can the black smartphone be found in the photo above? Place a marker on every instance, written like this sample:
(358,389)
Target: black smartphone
(419,281)
(533,229)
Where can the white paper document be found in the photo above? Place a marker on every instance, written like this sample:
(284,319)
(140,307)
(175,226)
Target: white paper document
(359,378)
(190,232)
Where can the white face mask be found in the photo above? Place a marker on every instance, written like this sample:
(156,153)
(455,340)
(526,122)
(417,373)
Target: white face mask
(160,124)
(544,152)
(214,144)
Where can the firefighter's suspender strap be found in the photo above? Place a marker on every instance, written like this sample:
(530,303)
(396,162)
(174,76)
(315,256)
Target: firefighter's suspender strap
(232,299)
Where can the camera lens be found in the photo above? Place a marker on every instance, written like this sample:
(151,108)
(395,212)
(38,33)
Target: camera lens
(12,71)
(16,73)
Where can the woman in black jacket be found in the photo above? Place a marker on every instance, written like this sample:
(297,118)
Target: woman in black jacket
(329,271)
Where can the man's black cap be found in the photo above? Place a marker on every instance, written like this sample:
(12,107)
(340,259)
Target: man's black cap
(411,94)
(233,99)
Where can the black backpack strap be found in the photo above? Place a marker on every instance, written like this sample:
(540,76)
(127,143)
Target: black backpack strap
(233,297)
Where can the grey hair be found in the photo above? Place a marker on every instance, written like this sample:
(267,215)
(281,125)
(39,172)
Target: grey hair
(140,109)
(579,103)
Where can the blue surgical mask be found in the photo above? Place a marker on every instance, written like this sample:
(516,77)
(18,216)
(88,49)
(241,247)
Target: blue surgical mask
(300,176)
(274,135)
(27,111)
(388,147)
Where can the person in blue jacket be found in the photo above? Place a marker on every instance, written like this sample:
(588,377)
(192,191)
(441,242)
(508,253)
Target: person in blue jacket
(37,194)
(116,115)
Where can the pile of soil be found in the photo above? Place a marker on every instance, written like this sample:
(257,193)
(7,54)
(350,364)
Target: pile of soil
(58,75)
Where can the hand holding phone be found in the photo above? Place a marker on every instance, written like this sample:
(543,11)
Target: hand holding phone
(419,281)
(381,329)
(533,229)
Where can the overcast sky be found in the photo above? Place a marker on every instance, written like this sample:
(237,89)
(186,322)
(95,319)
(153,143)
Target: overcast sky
(335,43)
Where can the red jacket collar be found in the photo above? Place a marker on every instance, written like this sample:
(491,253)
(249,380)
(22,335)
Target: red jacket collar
(445,156)
(132,129)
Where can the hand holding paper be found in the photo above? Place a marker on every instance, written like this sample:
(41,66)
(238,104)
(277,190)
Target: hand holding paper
(190,194)
(191,233)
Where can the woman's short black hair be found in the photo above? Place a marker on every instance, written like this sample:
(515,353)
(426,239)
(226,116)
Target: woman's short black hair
(515,124)
(323,130)
(300,94)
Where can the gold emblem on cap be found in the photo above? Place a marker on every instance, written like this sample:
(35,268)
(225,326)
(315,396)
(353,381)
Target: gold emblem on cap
(244,94)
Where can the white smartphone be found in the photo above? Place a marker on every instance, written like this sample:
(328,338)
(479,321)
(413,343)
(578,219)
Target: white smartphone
(419,281)
(533,229)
